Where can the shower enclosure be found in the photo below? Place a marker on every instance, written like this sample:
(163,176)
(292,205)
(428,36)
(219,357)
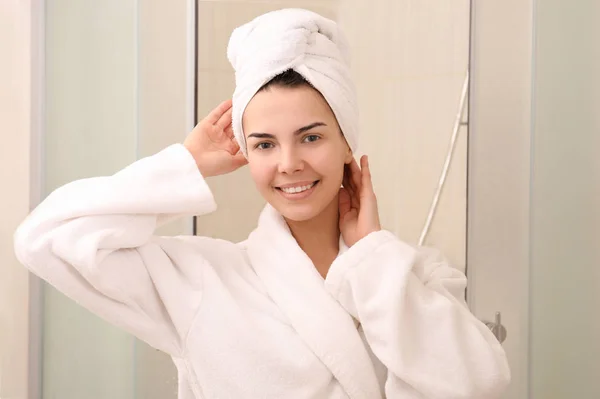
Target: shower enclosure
(503,179)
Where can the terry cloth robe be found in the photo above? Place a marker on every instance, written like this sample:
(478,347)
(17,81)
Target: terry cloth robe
(255,319)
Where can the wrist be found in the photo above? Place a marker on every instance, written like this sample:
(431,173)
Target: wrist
(204,171)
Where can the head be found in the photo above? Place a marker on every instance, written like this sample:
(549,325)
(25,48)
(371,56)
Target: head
(295,144)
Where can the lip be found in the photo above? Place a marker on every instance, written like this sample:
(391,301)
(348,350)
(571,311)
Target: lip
(298,196)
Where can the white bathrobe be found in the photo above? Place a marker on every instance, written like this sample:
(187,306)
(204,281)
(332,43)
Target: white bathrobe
(255,319)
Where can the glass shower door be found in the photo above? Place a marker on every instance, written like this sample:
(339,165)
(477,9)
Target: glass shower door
(117,88)
(534,190)
(91,106)
(565,203)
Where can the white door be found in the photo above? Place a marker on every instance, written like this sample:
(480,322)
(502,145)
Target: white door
(534,184)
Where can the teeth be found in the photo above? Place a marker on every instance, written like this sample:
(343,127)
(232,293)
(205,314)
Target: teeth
(293,190)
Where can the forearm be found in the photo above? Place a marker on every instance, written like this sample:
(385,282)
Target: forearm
(416,321)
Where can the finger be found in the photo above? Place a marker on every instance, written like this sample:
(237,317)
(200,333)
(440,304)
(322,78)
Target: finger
(347,181)
(239,159)
(229,131)
(216,114)
(346,177)
(366,182)
(225,120)
(233,146)
(344,202)
(356,184)
(356,175)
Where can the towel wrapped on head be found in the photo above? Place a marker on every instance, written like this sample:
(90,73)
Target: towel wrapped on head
(297,39)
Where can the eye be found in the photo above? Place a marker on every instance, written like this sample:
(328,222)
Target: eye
(311,138)
(263,146)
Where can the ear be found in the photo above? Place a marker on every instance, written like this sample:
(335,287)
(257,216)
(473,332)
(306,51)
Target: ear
(349,156)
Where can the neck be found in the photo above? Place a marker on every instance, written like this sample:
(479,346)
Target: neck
(319,237)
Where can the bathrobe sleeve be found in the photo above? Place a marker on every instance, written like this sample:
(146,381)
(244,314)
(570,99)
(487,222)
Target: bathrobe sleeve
(411,306)
(93,240)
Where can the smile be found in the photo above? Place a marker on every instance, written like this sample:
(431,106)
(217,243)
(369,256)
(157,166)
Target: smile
(297,192)
(299,189)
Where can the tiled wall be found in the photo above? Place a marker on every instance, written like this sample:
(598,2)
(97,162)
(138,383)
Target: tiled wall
(409,63)
(410,59)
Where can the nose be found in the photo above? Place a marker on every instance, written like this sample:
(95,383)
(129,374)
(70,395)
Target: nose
(290,161)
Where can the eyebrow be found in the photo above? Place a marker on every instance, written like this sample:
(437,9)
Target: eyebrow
(297,132)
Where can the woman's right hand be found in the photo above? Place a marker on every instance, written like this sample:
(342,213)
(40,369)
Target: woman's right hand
(213,145)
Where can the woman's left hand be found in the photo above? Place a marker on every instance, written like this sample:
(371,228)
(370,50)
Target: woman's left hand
(357,203)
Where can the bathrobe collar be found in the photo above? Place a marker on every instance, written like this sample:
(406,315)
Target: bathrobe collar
(298,289)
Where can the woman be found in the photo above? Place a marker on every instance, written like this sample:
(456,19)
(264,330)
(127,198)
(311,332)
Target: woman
(319,302)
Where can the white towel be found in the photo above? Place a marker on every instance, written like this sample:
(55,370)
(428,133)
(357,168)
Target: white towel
(297,39)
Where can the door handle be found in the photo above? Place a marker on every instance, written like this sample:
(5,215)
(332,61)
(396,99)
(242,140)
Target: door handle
(497,328)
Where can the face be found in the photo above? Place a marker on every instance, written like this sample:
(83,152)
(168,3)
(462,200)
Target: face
(296,151)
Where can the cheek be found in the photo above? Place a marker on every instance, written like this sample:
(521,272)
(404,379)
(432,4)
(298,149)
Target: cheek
(261,172)
(331,164)
(336,173)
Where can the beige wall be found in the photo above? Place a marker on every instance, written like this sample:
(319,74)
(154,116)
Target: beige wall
(15,125)
(409,66)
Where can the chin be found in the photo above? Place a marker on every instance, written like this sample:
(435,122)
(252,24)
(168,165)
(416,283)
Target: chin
(298,213)
(302,212)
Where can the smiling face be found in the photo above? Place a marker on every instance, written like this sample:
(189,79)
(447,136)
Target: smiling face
(296,152)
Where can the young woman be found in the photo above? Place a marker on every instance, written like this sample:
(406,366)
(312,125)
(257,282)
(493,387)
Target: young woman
(319,302)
